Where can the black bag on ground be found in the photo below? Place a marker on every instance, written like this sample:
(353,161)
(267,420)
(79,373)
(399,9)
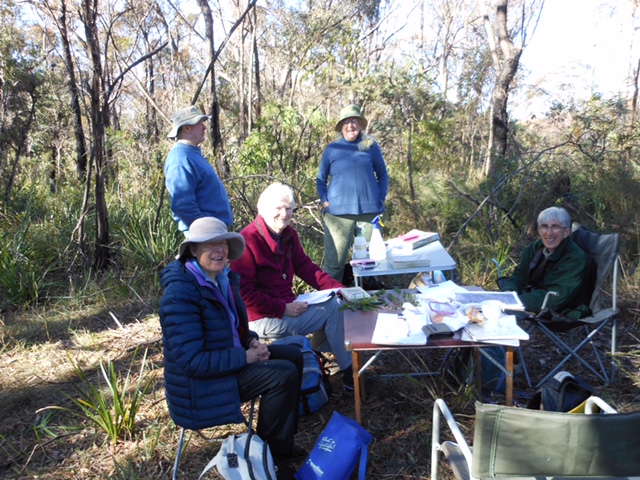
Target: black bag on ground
(315,388)
(562,393)
(493,377)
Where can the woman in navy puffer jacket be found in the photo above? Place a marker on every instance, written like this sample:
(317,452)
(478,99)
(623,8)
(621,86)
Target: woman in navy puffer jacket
(212,361)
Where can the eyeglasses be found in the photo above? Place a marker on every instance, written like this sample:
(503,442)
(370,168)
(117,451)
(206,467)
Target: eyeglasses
(552,228)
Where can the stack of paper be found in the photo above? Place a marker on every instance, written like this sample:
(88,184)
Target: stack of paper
(503,330)
(409,261)
(353,293)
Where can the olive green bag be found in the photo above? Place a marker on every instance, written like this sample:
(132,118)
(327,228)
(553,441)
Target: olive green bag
(516,442)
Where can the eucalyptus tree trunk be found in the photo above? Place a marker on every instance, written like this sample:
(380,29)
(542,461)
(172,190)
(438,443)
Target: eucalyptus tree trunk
(214,107)
(505,57)
(255,92)
(74,94)
(98,120)
(22,140)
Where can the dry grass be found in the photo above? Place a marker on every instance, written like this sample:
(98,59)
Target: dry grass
(35,370)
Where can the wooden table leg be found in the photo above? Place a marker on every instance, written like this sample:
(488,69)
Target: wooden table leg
(509,379)
(357,386)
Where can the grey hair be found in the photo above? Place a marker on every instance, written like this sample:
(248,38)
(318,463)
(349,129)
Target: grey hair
(272,194)
(558,214)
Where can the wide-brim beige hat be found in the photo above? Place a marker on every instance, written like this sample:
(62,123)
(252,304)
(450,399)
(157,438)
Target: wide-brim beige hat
(185,116)
(207,229)
(352,111)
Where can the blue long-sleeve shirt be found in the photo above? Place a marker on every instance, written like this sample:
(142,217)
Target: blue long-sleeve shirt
(194,187)
(353,178)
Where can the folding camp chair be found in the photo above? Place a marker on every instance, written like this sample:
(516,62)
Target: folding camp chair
(603,249)
(517,443)
(176,462)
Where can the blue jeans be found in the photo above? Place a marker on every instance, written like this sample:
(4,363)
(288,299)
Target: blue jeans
(324,320)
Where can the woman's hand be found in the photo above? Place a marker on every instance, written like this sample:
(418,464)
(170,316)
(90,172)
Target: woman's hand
(294,309)
(257,352)
(325,204)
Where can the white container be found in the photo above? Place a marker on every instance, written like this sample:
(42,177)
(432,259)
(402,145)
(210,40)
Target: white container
(491,309)
(359,246)
(377,248)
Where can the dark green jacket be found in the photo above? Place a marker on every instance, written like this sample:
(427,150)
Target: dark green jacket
(568,272)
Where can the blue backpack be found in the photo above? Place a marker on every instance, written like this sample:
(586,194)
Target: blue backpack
(314,391)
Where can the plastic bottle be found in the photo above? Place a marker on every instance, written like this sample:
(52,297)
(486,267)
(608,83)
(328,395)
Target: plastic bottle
(377,248)
(359,244)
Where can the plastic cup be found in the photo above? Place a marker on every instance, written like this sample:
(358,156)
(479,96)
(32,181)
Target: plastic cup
(491,309)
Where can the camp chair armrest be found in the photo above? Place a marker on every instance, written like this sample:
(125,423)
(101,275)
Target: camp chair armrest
(600,316)
(440,409)
(596,404)
(546,298)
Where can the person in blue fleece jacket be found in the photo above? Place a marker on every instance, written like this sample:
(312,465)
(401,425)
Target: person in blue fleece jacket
(352,184)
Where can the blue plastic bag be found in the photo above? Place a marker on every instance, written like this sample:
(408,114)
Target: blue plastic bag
(342,443)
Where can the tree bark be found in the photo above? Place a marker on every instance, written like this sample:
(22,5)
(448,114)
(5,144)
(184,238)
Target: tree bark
(98,115)
(78,132)
(20,147)
(214,108)
(505,57)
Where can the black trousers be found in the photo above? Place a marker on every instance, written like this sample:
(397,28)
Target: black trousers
(277,383)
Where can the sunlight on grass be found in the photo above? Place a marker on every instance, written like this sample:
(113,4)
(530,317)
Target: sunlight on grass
(111,407)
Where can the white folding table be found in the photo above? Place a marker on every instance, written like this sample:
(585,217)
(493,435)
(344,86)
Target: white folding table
(439,259)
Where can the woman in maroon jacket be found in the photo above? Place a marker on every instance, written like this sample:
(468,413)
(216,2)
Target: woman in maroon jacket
(272,257)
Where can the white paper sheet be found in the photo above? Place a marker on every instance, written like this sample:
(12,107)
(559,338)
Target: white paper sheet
(504,328)
(394,329)
(318,296)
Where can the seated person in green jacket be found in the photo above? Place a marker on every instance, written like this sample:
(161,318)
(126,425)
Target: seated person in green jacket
(553,263)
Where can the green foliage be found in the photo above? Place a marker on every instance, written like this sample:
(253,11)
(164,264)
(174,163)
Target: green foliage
(140,243)
(111,407)
(23,266)
(282,145)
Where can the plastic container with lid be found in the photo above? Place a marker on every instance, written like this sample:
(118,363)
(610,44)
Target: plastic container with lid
(359,244)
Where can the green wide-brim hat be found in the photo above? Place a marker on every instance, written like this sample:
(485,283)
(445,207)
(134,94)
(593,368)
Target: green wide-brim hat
(352,111)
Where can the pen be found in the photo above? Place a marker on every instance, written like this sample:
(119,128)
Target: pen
(412,237)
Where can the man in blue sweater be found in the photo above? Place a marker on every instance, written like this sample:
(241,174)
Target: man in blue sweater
(194,187)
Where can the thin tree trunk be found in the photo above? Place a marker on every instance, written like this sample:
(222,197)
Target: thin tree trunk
(78,132)
(21,145)
(256,67)
(102,251)
(505,58)
(214,108)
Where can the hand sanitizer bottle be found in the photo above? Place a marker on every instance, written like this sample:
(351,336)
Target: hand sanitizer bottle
(377,248)
(359,244)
